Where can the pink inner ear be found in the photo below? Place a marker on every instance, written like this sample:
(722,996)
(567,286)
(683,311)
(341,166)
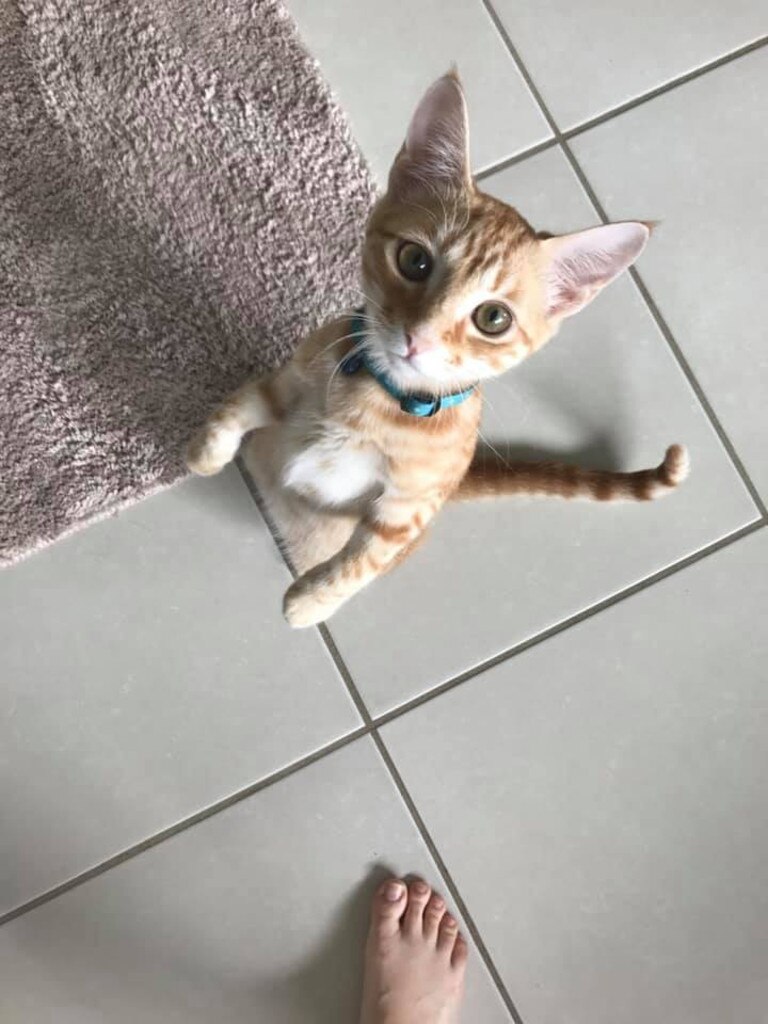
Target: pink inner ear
(578,266)
(436,145)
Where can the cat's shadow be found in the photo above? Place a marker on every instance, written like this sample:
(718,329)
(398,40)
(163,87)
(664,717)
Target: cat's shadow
(601,452)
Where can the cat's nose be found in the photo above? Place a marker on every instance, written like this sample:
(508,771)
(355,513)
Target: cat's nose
(416,344)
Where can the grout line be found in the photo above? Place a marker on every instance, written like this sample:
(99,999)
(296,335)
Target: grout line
(248,791)
(371,725)
(673,83)
(325,634)
(677,352)
(346,675)
(573,620)
(397,779)
(261,505)
(698,390)
(661,323)
(450,884)
(516,158)
(522,69)
(181,826)
(608,115)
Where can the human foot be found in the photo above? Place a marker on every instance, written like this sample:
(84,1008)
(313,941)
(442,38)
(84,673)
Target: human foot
(414,959)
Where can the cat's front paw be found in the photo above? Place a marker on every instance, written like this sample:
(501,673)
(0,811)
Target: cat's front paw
(303,607)
(212,447)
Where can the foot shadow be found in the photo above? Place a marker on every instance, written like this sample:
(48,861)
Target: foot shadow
(327,987)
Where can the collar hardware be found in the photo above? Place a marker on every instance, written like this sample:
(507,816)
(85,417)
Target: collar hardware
(417,403)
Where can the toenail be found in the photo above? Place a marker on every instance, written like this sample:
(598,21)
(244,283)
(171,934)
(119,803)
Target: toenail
(421,888)
(392,891)
(448,922)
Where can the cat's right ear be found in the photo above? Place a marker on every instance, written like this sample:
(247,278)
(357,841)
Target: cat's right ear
(435,154)
(576,267)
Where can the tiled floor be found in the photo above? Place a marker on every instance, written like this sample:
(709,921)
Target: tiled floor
(195,801)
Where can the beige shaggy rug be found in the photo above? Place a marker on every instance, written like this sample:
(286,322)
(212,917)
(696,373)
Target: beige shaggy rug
(179,200)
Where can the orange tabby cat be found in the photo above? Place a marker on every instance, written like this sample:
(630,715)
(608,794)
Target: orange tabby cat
(372,426)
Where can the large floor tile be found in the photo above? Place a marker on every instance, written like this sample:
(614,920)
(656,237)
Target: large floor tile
(606,392)
(146,673)
(600,801)
(695,159)
(587,58)
(257,914)
(380,57)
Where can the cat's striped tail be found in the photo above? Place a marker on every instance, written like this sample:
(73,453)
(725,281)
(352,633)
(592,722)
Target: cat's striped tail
(490,477)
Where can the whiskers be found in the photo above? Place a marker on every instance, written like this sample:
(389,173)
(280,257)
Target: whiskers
(430,213)
(455,215)
(489,444)
(364,337)
(493,448)
(331,379)
(326,348)
(368,299)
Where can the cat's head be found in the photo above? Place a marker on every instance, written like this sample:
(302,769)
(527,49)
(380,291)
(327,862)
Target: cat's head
(459,285)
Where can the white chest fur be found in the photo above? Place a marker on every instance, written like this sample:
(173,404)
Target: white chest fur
(335,470)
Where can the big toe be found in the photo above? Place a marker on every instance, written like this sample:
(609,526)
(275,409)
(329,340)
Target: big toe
(388,907)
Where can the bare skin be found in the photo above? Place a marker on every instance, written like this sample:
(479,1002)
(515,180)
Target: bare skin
(415,958)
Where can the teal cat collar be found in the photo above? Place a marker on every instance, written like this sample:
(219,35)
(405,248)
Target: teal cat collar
(413,403)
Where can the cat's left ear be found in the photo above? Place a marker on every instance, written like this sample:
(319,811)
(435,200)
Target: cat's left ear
(576,267)
(435,153)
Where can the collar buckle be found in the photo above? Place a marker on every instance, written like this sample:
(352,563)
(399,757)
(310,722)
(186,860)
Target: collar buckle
(421,404)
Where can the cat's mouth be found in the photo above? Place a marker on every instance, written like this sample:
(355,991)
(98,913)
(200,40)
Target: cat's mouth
(409,370)
(412,367)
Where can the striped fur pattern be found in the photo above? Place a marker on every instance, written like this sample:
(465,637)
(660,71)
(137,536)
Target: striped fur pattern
(489,477)
(458,288)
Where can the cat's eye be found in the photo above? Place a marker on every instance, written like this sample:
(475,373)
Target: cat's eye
(414,262)
(492,318)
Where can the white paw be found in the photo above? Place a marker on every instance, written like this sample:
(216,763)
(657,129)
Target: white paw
(302,608)
(211,449)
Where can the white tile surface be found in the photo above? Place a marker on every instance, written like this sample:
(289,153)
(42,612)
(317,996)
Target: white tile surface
(607,391)
(380,57)
(599,798)
(147,672)
(258,914)
(588,58)
(695,159)
(600,801)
